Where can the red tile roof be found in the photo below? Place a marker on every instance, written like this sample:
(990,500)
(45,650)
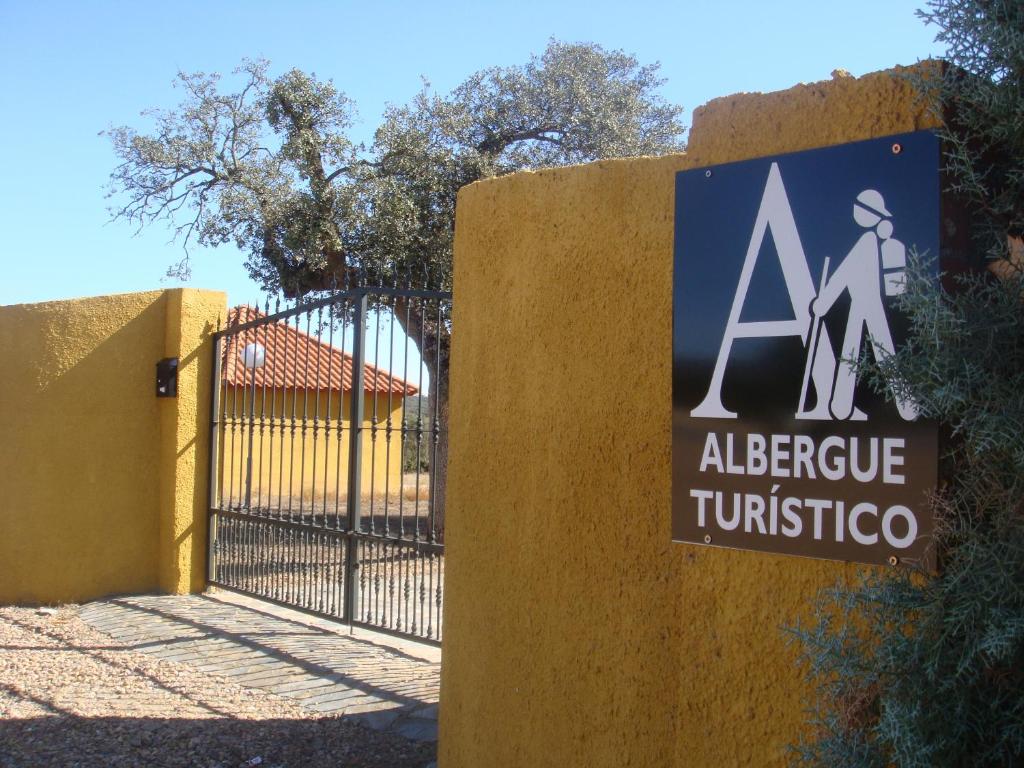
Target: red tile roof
(296,360)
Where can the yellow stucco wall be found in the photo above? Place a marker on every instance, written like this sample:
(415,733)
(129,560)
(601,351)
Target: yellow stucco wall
(192,316)
(576,633)
(102,485)
(310,458)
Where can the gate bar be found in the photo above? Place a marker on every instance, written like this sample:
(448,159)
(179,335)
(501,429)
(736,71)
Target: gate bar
(355,453)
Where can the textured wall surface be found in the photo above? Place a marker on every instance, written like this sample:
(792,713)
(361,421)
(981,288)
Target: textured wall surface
(576,633)
(185,438)
(102,485)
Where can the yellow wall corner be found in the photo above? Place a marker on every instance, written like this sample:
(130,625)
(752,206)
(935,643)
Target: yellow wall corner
(192,317)
(101,482)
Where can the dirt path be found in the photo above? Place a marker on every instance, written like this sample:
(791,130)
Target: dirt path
(72,696)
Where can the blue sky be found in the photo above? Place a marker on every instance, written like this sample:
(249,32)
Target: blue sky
(70,69)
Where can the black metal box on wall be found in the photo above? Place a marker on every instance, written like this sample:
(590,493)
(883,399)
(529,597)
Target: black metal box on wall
(167,377)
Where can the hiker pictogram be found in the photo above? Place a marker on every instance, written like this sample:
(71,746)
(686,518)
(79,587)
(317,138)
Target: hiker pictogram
(874,265)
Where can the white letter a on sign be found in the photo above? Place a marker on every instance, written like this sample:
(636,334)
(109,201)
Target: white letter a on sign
(776,215)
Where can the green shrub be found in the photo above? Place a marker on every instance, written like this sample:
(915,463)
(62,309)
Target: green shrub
(927,669)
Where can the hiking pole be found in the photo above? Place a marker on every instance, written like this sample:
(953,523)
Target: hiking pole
(812,349)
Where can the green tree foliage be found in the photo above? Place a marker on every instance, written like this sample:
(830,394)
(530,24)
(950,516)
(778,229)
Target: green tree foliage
(416,423)
(982,93)
(927,669)
(270,168)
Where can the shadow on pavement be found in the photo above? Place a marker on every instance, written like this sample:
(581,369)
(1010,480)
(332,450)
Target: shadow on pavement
(115,742)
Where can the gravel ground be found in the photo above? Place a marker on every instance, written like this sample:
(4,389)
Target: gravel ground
(71,696)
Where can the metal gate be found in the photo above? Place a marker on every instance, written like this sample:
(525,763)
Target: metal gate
(327,466)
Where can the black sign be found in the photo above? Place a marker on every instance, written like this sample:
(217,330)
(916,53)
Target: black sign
(786,269)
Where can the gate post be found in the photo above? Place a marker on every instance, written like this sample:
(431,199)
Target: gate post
(211,524)
(191,316)
(355,455)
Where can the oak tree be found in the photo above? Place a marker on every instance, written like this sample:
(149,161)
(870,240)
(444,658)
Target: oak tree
(270,167)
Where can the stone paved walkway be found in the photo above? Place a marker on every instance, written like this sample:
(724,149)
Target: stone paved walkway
(388,684)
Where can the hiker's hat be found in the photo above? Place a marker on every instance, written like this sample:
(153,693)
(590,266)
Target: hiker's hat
(872,200)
